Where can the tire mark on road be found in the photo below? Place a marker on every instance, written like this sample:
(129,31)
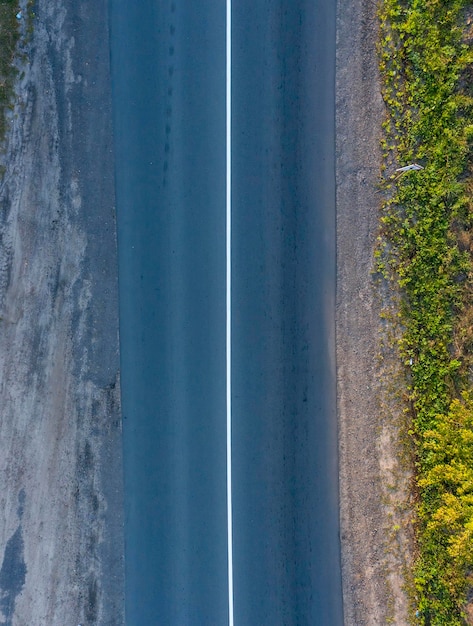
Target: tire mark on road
(170,91)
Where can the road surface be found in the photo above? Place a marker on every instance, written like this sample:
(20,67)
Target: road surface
(169,80)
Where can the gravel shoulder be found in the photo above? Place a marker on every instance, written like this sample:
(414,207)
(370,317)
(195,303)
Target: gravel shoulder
(376,533)
(61,536)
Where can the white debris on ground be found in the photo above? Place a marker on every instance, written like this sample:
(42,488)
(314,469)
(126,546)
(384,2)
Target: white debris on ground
(408,168)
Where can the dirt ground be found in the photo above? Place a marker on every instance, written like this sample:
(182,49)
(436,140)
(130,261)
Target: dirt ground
(61,559)
(376,528)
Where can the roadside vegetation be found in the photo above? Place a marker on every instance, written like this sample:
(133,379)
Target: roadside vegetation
(425,248)
(9,35)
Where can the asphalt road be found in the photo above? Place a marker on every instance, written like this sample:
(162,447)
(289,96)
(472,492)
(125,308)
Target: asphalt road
(285,476)
(168,66)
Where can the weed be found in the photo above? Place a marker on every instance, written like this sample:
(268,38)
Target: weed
(9,36)
(426,252)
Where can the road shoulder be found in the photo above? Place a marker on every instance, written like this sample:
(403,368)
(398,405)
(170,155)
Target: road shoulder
(374,482)
(61,540)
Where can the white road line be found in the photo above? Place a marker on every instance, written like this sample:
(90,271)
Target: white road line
(229,309)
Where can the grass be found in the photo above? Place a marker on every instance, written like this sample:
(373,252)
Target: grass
(9,36)
(425,251)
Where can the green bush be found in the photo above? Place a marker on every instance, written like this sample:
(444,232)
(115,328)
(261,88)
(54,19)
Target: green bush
(426,249)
